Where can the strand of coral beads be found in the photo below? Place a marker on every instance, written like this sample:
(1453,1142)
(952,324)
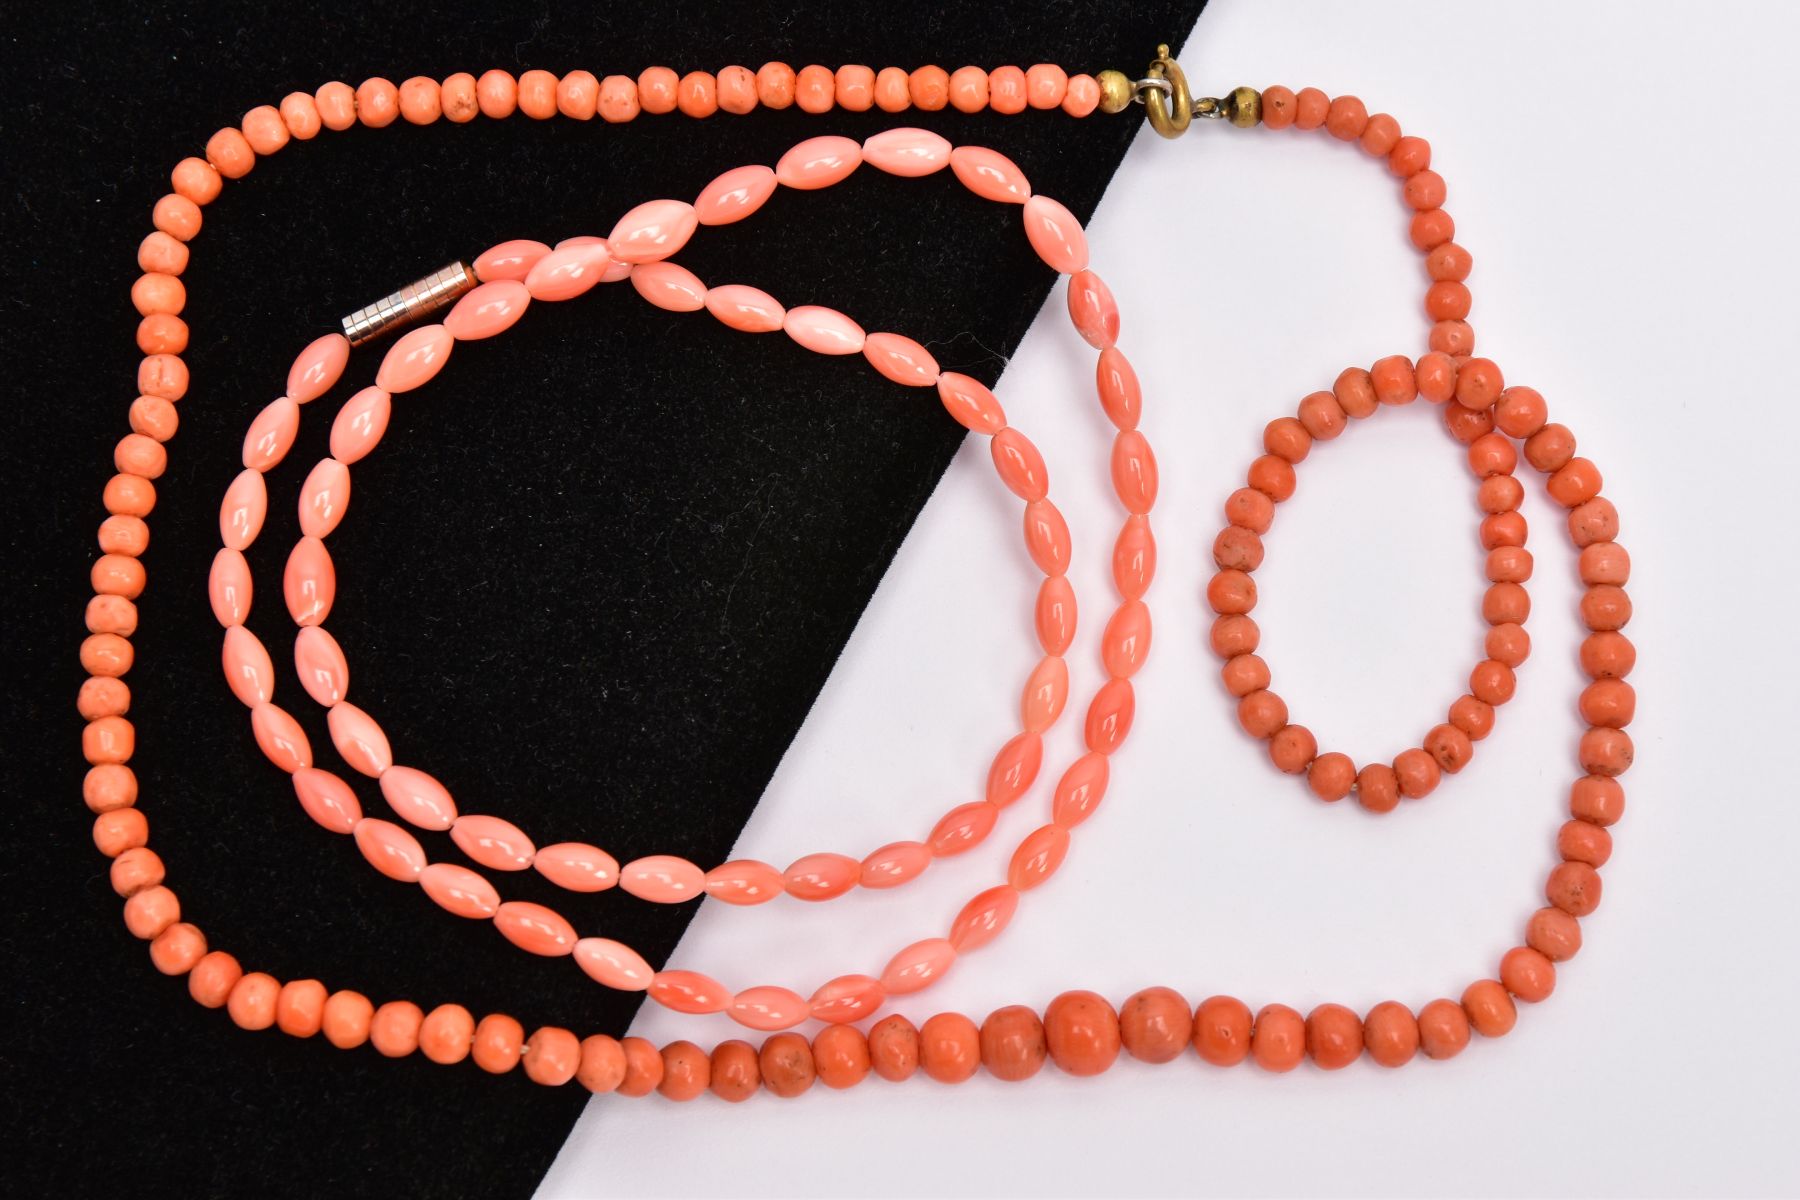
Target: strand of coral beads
(642,243)
(1078,1031)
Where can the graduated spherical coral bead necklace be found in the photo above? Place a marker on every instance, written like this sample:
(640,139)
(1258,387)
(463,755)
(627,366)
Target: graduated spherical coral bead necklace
(1079,1031)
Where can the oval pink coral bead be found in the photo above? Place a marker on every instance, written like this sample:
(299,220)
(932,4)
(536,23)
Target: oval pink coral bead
(918,966)
(320,664)
(744,881)
(652,231)
(895,864)
(1127,640)
(744,308)
(735,195)
(662,879)
(1080,790)
(1037,857)
(358,427)
(990,174)
(1020,465)
(535,929)
(613,964)
(228,587)
(984,918)
(242,511)
(821,876)
(490,309)
(1093,310)
(271,434)
(509,260)
(818,162)
(1014,768)
(577,867)
(390,849)
(963,828)
(309,583)
(669,286)
(1046,693)
(1056,235)
(317,368)
(768,1008)
(847,998)
(415,359)
(907,152)
(459,891)
(823,330)
(327,799)
(1047,537)
(248,668)
(418,798)
(493,842)
(280,738)
(324,497)
(901,359)
(971,403)
(359,739)
(689,992)
(567,273)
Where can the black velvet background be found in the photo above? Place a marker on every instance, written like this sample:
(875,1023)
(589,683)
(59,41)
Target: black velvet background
(592,580)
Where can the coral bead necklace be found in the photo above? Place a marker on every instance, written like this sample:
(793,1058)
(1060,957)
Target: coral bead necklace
(1079,1031)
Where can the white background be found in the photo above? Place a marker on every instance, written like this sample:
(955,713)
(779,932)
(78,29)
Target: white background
(1625,177)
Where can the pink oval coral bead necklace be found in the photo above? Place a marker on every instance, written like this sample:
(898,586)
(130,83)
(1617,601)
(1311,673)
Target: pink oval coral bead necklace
(1078,1031)
(647,236)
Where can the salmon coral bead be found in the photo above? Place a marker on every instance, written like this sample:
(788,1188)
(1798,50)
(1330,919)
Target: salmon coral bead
(1378,788)
(687,1071)
(211,979)
(377,103)
(394,1031)
(1278,107)
(1443,1029)
(346,1019)
(602,1066)
(775,85)
(1489,1008)
(892,90)
(894,1048)
(786,1062)
(1334,1036)
(498,1042)
(815,89)
(421,102)
(734,1075)
(1012,1043)
(1598,800)
(1554,933)
(1574,887)
(840,1056)
(1527,974)
(643,1067)
(1391,1034)
(1222,1031)
(1081,1031)
(968,89)
(497,94)
(1346,118)
(1311,107)
(949,1048)
(577,95)
(177,949)
(300,1008)
(251,1004)
(537,95)
(1331,776)
(1279,1040)
(1154,1025)
(457,98)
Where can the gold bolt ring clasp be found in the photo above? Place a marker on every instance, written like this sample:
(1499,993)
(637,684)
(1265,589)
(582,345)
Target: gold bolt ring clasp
(1165,96)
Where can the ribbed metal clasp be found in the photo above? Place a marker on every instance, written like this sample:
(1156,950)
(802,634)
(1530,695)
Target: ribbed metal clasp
(417,299)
